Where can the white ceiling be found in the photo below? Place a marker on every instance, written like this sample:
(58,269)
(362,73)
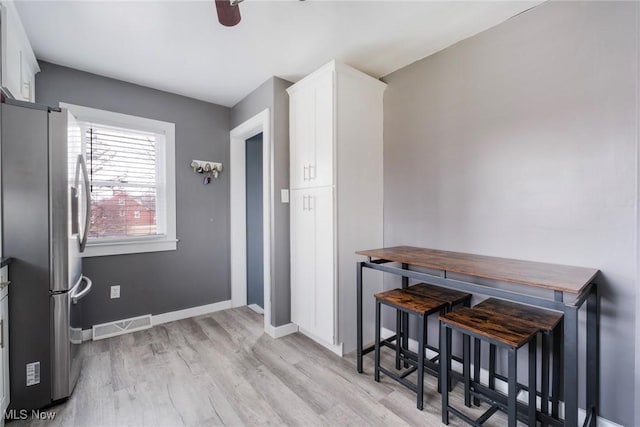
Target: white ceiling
(179,47)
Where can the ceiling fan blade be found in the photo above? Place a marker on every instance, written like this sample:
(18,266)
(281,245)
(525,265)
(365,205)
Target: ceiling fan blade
(228,14)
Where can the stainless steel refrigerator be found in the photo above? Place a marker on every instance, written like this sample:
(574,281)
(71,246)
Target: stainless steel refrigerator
(45,219)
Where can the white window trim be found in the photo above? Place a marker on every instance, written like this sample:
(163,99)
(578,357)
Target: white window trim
(168,241)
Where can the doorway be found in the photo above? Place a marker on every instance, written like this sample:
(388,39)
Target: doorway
(258,124)
(255,255)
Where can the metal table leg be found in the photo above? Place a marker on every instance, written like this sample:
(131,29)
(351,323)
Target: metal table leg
(405,316)
(359,315)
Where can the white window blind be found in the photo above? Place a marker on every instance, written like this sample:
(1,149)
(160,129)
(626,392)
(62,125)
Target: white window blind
(124,177)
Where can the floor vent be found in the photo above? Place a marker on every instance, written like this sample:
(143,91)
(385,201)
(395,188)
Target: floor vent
(120,327)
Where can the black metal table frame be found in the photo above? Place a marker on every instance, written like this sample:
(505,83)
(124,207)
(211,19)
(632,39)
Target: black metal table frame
(590,294)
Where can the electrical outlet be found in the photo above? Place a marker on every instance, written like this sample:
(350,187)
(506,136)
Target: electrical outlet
(115,291)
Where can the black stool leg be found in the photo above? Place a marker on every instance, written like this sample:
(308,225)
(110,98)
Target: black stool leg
(512,395)
(376,376)
(445,333)
(476,366)
(466,342)
(421,327)
(544,404)
(557,369)
(533,363)
(449,382)
(398,340)
(443,312)
(426,336)
(405,334)
(492,366)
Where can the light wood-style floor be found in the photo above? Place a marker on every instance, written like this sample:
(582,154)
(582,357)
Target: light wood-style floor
(221,369)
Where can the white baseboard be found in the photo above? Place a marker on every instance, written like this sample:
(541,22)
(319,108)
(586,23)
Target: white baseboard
(256,308)
(337,349)
(158,319)
(500,385)
(87,334)
(281,331)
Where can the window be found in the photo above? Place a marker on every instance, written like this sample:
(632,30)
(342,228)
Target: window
(130,162)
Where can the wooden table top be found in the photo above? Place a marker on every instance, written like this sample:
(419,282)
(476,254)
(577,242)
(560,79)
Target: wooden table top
(536,274)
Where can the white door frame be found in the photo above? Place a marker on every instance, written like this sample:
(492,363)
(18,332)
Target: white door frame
(261,122)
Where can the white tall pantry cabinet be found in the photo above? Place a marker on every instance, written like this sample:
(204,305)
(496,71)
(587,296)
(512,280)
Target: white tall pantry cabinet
(336,181)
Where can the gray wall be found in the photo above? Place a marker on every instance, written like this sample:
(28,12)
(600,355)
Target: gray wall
(272,94)
(521,142)
(198,272)
(255,240)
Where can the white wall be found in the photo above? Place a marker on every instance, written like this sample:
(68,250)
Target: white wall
(521,142)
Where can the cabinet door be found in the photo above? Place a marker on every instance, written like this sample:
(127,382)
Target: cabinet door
(12,63)
(302,144)
(321,204)
(302,260)
(4,354)
(27,82)
(18,61)
(321,172)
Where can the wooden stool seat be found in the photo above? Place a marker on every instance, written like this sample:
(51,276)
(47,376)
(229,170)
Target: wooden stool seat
(450,296)
(494,326)
(411,302)
(544,320)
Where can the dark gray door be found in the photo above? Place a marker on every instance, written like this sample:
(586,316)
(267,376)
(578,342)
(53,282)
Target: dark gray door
(255,272)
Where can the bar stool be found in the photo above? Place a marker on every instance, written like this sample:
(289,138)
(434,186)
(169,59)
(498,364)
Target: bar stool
(547,322)
(411,304)
(454,299)
(451,297)
(503,331)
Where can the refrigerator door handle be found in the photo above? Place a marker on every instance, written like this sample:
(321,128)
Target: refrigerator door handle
(87,190)
(77,297)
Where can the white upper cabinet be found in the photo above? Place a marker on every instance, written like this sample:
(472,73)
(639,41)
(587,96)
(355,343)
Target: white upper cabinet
(19,64)
(311,126)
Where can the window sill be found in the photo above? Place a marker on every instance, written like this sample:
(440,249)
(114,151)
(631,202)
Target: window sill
(134,247)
